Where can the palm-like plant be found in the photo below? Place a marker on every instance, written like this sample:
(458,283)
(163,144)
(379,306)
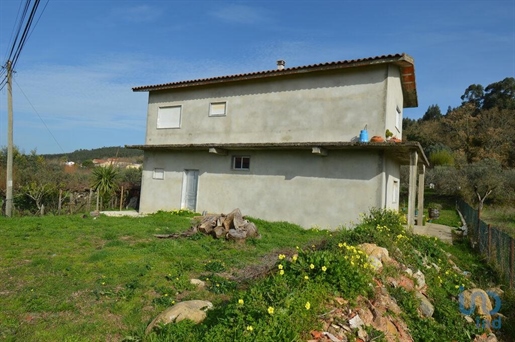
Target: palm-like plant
(105,180)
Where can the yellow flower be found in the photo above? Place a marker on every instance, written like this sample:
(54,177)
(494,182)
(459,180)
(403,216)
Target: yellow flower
(281,272)
(270,310)
(340,245)
(280,267)
(324,268)
(294,257)
(306,277)
(240,301)
(250,328)
(312,266)
(282,256)
(307,306)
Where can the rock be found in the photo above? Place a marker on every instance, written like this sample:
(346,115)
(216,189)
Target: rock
(425,307)
(199,283)
(219,232)
(356,322)
(420,279)
(406,283)
(376,264)
(372,249)
(237,235)
(234,220)
(251,230)
(409,271)
(194,310)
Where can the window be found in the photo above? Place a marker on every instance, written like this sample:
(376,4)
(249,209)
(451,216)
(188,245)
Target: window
(395,191)
(240,163)
(217,108)
(169,117)
(159,174)
(398,119)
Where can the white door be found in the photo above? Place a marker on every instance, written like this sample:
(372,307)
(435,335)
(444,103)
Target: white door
(189,190)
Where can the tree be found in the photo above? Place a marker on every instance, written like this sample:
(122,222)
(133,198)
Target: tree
(474,95)
(432,113)
(105,180)
(480,180)
(500,94)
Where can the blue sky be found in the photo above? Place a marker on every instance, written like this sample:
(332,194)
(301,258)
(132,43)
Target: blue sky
(73,81)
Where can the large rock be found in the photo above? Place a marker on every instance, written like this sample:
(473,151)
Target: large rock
(425,307)
(194,310)
(374,250)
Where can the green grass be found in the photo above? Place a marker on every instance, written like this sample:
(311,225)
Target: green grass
(500,217)
(84,279)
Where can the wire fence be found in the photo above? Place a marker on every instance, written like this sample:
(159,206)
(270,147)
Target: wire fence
(492,242)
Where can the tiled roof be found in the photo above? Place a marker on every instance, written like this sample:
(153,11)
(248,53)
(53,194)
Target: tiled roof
(404,61)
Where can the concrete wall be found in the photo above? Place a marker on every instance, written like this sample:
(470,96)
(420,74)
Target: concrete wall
(293,185)
(394,101)
(326,106)
(392,181)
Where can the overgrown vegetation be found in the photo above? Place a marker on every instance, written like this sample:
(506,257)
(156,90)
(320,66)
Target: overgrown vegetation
(106,278)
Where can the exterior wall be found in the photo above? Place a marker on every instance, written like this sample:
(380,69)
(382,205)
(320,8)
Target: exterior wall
(294,185)
(394,102)
(326,106)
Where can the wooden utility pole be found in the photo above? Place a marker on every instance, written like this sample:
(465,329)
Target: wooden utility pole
(9,185)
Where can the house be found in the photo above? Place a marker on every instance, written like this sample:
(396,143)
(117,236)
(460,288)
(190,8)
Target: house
(283,144)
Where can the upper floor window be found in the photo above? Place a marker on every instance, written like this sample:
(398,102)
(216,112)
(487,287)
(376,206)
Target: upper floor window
(240,163)
(398,119)
(218,109)
(169,117)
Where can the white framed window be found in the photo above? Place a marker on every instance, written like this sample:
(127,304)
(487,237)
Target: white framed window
(158,174)
(241,163)
(169,117)
(398,119)
(218,109)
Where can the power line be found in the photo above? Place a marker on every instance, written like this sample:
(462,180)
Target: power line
(40,118)
(21,36)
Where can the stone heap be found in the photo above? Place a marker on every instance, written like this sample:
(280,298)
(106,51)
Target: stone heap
(232,226)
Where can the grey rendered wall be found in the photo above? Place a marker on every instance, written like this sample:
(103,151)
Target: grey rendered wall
(331,106)
(392,173)
(394,101)
(294,186)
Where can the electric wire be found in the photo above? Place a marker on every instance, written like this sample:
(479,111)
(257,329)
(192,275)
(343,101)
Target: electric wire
(21,36)
(39,116)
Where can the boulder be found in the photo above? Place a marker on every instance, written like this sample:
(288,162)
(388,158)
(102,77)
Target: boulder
(194,310)
(425,307)
(374,250)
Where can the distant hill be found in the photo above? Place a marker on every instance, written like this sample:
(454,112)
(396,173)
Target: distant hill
(97,153)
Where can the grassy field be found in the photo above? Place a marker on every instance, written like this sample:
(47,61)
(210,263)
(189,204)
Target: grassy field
(500,217)
(70,278)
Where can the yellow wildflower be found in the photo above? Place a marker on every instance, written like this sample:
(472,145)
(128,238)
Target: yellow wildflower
(307,306)
(282,256)
(280,267)
(324,268)
(294,257)
(240,301)
(250,328)
(281,272)
(306,277)
(312,266)
(270,310)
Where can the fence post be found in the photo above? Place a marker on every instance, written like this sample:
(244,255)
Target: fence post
(512,261)
(489,242)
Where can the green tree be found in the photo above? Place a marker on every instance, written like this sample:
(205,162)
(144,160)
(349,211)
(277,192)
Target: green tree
(432,113)
(500,94)
(105,181)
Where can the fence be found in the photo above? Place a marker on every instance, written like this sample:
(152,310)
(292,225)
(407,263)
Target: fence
(493,243)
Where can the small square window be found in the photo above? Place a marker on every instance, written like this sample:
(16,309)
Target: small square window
(218,109)
(159,174)
(240,163)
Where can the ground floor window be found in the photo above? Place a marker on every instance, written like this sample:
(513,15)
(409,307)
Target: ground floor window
(241,163)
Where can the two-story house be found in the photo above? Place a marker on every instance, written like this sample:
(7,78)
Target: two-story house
(283,144)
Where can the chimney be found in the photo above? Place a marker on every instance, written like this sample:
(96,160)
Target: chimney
(280,64)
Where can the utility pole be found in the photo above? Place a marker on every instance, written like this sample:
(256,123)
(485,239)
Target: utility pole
(9,185)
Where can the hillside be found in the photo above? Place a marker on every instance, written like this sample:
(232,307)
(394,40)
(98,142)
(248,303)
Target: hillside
(82,155)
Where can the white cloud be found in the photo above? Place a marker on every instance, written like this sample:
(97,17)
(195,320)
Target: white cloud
(241,14)
(137,14)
